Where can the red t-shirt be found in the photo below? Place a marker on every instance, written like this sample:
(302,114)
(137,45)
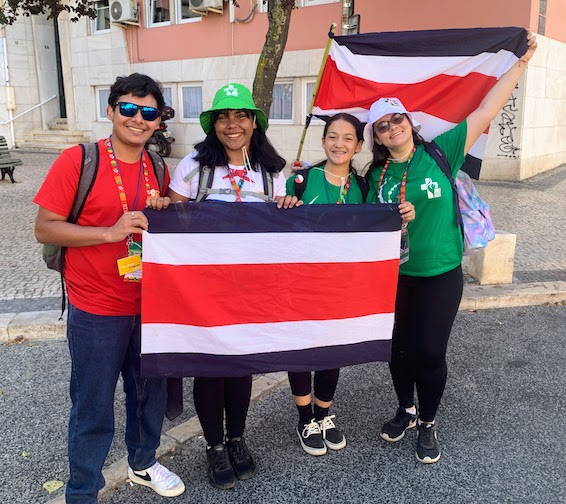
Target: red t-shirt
(91,273)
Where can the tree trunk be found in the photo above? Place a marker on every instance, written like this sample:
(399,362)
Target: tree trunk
(279,17)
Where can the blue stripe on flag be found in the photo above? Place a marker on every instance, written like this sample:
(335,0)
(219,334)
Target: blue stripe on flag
(222,217)
(452,42)
(186,364)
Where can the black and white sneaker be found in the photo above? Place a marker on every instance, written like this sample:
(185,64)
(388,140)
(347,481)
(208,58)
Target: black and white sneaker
(311,438)
(220,472)
(394,429)
(159,478)
(428,449)
(241,458)
(332,437)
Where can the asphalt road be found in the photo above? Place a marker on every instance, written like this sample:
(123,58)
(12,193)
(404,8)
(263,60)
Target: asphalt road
(500,427)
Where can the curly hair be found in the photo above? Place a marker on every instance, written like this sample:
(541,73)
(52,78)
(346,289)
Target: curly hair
(211,151)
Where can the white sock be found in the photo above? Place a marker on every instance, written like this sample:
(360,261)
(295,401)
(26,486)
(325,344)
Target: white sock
(412,410)
(429,423)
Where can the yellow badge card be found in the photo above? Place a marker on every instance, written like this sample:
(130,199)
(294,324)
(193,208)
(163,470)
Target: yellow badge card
(129,264)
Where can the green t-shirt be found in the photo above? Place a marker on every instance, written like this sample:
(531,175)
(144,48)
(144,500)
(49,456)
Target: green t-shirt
(319,191)
(435,240)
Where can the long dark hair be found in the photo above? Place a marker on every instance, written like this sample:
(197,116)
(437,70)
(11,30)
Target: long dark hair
(211,152)
(349,118)
(381,153)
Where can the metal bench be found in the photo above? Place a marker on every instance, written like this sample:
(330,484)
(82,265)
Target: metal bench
(7,162)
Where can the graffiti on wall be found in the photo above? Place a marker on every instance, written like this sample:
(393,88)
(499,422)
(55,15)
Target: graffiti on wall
(508,124)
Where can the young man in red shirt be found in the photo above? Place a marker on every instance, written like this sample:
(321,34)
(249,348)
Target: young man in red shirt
(103,324)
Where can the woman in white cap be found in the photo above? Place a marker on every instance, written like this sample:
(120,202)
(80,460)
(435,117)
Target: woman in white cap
(430,281)
(243,161)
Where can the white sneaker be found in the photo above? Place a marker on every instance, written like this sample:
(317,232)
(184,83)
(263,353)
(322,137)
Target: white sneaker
(158,477)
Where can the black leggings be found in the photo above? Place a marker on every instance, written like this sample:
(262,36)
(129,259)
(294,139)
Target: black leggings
(424,313)
(325,383)
(214,395)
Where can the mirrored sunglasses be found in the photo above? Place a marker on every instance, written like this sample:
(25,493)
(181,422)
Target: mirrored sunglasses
(131,109)
(383,126)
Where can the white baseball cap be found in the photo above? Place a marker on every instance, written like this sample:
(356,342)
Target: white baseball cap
(381,108)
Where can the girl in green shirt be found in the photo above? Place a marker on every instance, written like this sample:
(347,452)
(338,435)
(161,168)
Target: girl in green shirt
(331,181)
(430,282)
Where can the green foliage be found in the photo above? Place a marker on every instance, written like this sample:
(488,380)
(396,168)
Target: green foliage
(12,9)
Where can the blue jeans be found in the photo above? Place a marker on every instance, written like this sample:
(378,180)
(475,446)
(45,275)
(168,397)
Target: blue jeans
(101,347)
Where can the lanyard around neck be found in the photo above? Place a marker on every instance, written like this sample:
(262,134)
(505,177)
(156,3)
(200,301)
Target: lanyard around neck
(118,177)
(403,189)
(344,191)
(237,186)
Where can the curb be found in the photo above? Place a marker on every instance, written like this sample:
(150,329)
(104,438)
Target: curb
(46,324)
(117,473)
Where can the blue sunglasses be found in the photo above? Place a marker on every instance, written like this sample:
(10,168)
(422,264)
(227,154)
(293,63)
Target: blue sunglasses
(128,109)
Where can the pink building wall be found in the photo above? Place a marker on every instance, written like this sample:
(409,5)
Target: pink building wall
(216,36)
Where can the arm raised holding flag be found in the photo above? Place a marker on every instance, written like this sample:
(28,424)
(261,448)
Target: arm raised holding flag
(479,119)
(430,281)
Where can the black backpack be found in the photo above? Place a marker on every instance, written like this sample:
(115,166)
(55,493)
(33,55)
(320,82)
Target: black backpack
(54,255)
(300,185)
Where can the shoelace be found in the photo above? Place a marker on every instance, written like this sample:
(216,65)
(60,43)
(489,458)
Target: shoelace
(161,474)
(311,428)
(427,433)
(220,460)
(238,449)
(327,424)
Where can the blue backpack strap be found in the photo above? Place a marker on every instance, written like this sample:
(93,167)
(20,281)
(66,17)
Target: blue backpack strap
(436,153)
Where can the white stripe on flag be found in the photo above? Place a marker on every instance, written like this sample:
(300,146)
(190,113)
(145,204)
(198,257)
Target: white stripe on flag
(247,339)
(263,248)
(411,70)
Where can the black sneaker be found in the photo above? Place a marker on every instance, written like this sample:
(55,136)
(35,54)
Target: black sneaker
(220,472)
(241,458)
(331,436)
(428,450)
(311,438)
(394,430)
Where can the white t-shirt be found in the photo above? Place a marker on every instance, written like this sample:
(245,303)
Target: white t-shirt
(253,181)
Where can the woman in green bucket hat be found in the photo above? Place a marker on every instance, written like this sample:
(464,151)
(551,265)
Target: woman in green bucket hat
(241,161)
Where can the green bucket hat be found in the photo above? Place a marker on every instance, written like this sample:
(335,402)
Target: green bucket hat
(232,97)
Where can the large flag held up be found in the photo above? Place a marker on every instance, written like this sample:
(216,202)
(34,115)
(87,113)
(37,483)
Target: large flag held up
(231,290)
(439,75)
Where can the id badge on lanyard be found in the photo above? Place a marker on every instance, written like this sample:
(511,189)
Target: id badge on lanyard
(130,267)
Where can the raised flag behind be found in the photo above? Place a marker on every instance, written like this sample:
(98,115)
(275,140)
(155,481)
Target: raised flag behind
(440,75)
(232,290)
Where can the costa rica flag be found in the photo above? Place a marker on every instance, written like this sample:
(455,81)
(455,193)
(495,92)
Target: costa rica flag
(236,289)
(440,75)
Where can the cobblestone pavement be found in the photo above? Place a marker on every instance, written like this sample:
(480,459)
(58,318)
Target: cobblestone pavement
(534,210)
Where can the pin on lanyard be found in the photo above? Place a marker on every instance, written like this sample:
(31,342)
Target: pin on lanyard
(403,188)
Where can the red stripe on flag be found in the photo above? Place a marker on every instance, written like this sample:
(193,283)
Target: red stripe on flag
(448,97)
(218,295)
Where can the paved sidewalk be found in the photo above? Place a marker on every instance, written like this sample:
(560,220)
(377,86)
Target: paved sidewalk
(534,210)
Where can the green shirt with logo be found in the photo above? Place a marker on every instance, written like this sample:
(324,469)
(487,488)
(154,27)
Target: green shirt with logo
(435,240)
(320,191)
